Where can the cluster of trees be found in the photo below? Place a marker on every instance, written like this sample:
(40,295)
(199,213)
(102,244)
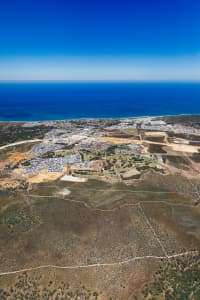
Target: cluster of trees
(179,279)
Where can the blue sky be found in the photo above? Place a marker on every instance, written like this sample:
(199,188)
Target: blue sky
(100,40)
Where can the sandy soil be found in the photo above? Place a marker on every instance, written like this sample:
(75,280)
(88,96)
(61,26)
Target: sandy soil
(73,179)
(44,176)
(174,147)
(118,141)
(184,148)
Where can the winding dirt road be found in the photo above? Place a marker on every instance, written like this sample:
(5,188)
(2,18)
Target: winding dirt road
(97,265)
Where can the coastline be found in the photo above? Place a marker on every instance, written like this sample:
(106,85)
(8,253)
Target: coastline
(100,118)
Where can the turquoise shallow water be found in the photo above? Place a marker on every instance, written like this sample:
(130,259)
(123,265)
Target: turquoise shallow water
(58,101)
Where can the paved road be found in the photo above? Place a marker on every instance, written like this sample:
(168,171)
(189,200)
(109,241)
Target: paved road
(19,143)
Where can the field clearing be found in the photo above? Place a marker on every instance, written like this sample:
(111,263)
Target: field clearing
(156,133)
(119,141)
(184,148)
(173,146)
(73,178)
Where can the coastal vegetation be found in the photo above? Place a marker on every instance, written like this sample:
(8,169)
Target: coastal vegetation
(28,287)
(13,132)
(178,279)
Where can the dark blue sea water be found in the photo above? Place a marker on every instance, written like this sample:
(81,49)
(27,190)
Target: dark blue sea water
(56,101)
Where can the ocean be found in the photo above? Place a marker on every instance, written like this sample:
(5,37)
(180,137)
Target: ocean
(36,101)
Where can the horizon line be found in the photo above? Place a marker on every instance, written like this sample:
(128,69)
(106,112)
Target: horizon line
(97,80)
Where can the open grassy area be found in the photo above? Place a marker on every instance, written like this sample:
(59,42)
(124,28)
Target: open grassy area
(97,223)
(131,131)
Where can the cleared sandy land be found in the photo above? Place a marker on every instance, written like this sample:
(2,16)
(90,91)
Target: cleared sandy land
(184,148)
(181,141)
(174,147)
(118,141)
(9,184)
(156,133)
(73,178)
(44,176)
(15,158)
